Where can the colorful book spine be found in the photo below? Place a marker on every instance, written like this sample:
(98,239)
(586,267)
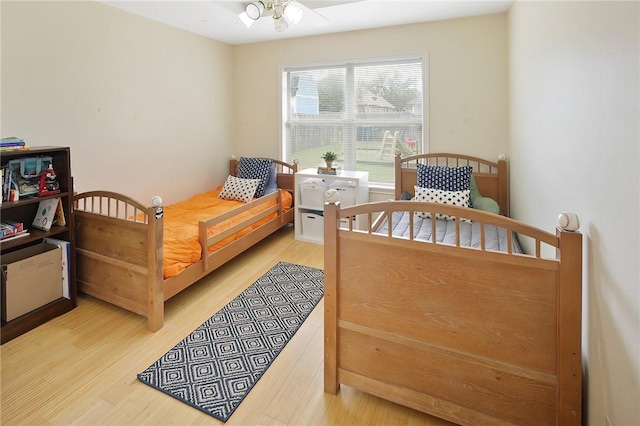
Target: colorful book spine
(12,141)
(9,228)
(15,148)
(6,188)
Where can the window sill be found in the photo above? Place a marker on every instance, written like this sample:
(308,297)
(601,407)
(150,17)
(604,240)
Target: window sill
(381,192)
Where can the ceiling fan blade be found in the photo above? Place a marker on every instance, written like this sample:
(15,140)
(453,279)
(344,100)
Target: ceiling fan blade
(236,7)
(310,16)
(321,4)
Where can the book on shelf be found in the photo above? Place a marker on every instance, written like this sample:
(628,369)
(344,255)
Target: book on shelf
(13,225)
(6,183)
(65,262)
(46,213)
(20,234)
(60,219)
(12,141)
(10,228)
(10,186)
(15,148)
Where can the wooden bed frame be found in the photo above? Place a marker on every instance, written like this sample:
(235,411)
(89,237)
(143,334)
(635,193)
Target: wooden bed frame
(470,335)
(119,246)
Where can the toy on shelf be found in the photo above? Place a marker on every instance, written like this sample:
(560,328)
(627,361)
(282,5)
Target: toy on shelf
(48,182)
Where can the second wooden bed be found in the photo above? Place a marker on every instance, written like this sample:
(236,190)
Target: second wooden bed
(468,334)
(119,245)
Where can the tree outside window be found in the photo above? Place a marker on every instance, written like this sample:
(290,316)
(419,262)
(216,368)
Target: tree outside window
(364,112)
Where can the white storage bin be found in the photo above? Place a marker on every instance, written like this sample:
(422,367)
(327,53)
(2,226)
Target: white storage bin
(312,225)
(312,194)
(347,192)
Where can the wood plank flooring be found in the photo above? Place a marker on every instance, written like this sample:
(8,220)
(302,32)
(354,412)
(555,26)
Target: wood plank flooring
(81,368)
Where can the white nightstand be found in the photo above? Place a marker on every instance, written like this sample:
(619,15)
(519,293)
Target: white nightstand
(310,187)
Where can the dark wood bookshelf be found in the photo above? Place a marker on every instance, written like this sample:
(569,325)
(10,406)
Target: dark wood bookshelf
(24,210)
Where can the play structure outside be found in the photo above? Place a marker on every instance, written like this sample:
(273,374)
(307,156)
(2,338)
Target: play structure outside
(374,150)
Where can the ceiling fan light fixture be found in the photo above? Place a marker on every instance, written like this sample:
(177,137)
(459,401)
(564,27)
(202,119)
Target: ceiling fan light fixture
(280,24)
(278,11)
(254,10)
(283,12)
(293,13)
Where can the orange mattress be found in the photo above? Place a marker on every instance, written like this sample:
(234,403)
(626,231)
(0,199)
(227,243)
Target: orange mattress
(180,245)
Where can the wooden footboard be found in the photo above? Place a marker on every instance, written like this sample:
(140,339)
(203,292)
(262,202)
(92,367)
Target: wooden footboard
(466,334)
(119,250)
(119,253)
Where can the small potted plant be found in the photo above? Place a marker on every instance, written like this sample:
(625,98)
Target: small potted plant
(329,157)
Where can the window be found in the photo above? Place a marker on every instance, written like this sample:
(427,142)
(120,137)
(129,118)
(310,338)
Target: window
(362,111)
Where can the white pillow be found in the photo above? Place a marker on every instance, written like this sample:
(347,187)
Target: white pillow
(439,196)
(239,189)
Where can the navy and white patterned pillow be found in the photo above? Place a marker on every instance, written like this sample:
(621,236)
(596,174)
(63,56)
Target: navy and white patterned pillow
(439,196)
(256,168)
(239,189)
(445,178)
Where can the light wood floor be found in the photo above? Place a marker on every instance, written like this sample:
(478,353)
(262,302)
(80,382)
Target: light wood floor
(81,367)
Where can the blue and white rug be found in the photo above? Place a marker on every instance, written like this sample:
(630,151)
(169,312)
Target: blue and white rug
(216,366)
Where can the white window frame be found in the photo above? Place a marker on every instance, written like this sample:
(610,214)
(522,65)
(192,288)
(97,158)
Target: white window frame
(349,159)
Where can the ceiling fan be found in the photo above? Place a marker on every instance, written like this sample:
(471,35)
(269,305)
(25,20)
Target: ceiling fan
(283,12)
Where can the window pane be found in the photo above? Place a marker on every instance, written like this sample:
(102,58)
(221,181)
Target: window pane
(377,145)
(308,141)
(389,92)
(363,112)
(316,94)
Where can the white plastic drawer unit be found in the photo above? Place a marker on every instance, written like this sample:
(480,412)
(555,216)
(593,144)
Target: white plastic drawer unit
(310,189)
(312,194)
(313,225)
(347,192)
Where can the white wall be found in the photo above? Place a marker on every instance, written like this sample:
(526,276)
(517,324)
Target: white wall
(574,138)
(144,107)
(467,91)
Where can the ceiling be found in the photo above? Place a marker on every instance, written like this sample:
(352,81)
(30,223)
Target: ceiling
(218,20)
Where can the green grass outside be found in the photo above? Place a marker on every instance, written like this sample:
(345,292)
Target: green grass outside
(367,160)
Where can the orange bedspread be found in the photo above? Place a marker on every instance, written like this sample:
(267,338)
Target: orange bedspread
(180,244)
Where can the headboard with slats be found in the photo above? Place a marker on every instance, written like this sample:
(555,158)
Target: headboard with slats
(286,173)
(492,178)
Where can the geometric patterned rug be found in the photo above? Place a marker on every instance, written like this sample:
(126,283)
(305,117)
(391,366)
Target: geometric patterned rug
(215,367)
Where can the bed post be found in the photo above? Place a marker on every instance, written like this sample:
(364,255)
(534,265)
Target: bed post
(503,189)
(569,363)
(398,177)
(155,277)
(331,257)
